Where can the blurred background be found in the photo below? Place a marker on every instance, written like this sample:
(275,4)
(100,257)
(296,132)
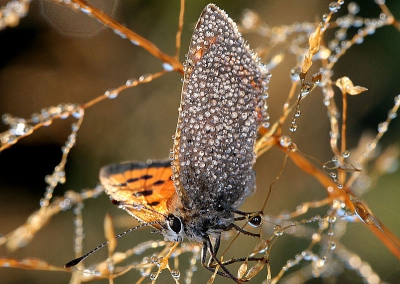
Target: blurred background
(56,55)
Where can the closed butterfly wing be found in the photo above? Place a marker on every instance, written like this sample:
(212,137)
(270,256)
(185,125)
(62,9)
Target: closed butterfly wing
(222,106)
(145,190)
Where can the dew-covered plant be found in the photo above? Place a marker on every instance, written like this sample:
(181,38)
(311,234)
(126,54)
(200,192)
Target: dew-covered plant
(99,91)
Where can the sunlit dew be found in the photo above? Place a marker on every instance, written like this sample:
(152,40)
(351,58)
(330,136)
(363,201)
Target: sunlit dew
(176,274)
(153,276)
(295,74)
(78,112)
(131,81)
(111,94)
(382,127)
(167,67)
(346,154)
(278,230)
(144,272)
(397,100)
(334,7)
(144,77)
(285,141)
(134,42)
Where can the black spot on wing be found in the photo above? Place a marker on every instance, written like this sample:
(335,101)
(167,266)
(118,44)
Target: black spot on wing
(159,182)
(143,193)
(131,180)
(154,203)
(116,202)
(146,177)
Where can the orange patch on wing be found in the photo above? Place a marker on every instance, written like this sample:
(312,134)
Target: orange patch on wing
(142,189)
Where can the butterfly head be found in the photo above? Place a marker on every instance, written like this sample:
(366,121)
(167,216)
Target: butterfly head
(173,229)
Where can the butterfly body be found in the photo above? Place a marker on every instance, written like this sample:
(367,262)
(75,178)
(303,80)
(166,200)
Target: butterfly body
(196,194)
(221,108)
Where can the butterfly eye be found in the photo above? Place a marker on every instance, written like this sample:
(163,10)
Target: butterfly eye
(175,223)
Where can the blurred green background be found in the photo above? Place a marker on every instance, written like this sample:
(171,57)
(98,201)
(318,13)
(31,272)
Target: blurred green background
(56,55)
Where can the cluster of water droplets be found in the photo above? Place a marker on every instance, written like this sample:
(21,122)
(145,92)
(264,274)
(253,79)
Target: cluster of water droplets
(321,237)
(78,228)
(20,127)
(91,272)
(353,262)
(366,26)
(252,22)
(12,12)
(193,261)
(132,82)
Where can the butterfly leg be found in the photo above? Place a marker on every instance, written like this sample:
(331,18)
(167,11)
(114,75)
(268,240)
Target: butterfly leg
(207,246)
(239,229)
(216,248)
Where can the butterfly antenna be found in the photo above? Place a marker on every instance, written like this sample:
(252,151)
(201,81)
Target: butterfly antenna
(79,259)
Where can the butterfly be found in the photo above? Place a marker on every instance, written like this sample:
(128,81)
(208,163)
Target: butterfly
(197,192)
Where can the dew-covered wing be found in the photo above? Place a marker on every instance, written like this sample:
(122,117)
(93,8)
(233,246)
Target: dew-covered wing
(142,189)
(222,106)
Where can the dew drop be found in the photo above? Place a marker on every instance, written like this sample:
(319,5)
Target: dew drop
(382,127)
(131,82)
(353,8)
(9,139)
(346,154)
(293,127)
(359,40)
(74,127)
(315,273)
(78,112)
(397,100)
(320,262)
(295,74)
(167,67)
(307,254)
(111,94)
(143,272)
(35,118)
(392,114)
(110,266)
(18,129)
(266,124)
(176,274)
(316,237)
(153,276)
(144,78)
(7,118)
(154,259)
(285,141)
(278,230)
(332,219)
(334,7)
(306,89)
(134,42)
